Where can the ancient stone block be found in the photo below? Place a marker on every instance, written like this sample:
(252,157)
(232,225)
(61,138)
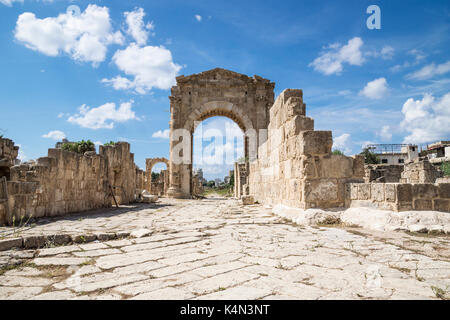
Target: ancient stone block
(248,200)
(424,190)
(423,204)
(377,191)
(444,190)
(404,193)
(321,190)
(442,205)
(390,192)
(364,191)
(315,142)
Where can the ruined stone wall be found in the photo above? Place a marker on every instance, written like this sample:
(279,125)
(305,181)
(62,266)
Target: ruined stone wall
(197,185)
(121,171)
(420,172)
(160,186)
(295,166)
(399,196)
(8,156)
(240,179)
(65,182)
(383,172)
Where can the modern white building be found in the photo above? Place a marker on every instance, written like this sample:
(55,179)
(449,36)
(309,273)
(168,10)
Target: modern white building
(395,153)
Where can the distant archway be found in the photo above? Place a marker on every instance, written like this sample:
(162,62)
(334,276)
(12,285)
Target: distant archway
(149,164)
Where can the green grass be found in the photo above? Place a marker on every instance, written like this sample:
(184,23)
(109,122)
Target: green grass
(223,192)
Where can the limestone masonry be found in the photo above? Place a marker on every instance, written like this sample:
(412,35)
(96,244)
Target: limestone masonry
(286,163)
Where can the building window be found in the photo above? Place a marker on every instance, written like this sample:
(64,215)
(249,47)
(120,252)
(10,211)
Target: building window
(413,149)
(401,160)
(384,161)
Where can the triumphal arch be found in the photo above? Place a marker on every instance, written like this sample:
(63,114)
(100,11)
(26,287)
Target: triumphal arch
(218,92)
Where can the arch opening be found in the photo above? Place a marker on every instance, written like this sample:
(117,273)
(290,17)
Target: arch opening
(218,142)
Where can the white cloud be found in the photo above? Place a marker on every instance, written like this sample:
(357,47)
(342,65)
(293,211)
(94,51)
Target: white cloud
(426,120)
(387,52)
(21,156)
(342,143)
(136,27)
(385,133)
(375,89)
(83,37)
(331,62)
(161,134)
(150,67)
(103,117)
(198,17)
(55,135)
(418,55)
(10,2)
(430,71)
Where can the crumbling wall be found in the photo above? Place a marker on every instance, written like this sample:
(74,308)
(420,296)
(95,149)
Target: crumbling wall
(121,171)
(160,186)
(240,179)
(65,182)
(8,156)
(295,166)
(197,185)
(383,172)
(420,172)
(399,196)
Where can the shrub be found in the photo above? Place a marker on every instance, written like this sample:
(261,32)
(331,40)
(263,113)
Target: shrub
(445,167)
(79,147)
(111,143)
(338,152)
(370,157)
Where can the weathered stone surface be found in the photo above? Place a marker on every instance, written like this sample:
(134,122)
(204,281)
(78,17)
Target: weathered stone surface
(34,242)
(7,244)
(141,233)
(221,249)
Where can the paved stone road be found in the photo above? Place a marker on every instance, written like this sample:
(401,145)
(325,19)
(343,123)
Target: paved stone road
(219,249)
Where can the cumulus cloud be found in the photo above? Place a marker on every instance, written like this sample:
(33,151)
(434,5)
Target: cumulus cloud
(426,120)
(332,61)
(83,37)
(149,66)
(104,116)
(136,26)
(375,89)
(198,17)
(342,143)
(163,134)
(430,71)
(55,135)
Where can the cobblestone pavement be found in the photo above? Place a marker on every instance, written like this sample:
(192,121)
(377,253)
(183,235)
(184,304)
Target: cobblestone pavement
(219,249)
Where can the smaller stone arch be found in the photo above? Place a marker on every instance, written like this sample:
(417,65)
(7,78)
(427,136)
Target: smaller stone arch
(149,164)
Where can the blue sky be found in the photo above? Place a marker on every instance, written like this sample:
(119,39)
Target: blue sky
(105,74)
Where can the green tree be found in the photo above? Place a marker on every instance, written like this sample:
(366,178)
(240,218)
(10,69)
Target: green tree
(111,143)
(79,147)
(232,179)
(338,152)
(211,184)
(369,156)
(155,176)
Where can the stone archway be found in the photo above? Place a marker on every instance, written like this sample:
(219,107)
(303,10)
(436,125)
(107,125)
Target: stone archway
(149,164)
(218,92)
